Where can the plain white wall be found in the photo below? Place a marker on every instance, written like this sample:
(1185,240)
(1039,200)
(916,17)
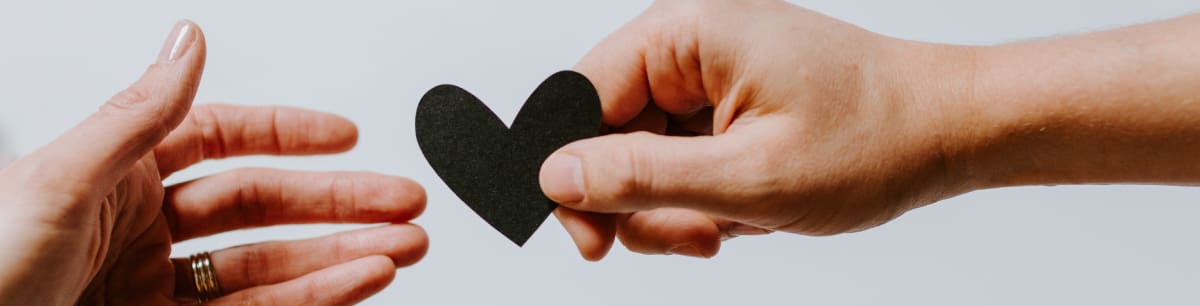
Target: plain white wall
(372,60)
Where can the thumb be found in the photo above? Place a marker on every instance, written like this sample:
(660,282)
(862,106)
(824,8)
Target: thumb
(99,151)
(622,173)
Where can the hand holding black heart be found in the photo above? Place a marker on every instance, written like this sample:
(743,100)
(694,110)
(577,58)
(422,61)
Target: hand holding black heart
(493,168)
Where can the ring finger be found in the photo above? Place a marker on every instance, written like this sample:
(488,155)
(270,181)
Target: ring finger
(267,263)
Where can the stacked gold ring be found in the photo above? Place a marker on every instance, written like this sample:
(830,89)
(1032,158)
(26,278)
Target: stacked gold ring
(207,287)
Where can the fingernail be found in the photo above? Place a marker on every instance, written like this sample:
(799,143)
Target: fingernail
(562,178)
(686,250)
(747,230)
(179,42)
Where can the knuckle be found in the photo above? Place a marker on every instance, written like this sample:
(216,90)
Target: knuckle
(130,105)
(206,120)
(313,289)
(632,175)
(249,195)
(256,266)
(373,195)
(277,141)
(128,99)
(342,200)
(342,249)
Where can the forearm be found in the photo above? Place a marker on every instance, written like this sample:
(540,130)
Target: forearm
(1121,106)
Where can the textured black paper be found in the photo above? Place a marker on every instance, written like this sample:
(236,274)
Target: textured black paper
(494,169)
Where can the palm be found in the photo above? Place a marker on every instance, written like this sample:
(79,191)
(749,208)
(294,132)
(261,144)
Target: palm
(137,269)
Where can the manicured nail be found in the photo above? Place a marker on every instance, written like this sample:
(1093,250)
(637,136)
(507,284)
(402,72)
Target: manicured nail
(562,178)
(747,230)
(179,42)
(686,250)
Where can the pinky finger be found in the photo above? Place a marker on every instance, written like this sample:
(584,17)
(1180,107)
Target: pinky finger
(344,284)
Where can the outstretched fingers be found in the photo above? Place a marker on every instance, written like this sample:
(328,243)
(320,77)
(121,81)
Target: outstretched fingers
(260,197)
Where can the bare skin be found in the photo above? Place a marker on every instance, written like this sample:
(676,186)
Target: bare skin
(783,119)
(87,219)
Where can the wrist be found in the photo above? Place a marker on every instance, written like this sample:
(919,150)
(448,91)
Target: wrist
(32,269)
(1106,107)
(936,85)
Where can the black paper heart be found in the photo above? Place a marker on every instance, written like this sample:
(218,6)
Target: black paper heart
(493,168)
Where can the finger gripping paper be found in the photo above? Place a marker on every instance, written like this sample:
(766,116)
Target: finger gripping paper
(493,168)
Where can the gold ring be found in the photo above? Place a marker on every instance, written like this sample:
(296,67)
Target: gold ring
(207,286)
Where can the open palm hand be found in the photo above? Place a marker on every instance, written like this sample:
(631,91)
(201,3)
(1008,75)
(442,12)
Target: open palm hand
(96,223)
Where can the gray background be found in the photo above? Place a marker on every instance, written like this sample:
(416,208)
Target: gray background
(371,61)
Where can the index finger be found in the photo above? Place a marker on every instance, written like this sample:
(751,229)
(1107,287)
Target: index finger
(214,131)
(655,57)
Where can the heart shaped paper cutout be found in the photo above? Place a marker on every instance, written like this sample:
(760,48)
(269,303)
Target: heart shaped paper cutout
(493,168)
